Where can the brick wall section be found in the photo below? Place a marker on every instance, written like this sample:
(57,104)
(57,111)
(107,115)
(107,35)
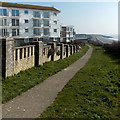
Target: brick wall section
(53,48)
(67,50)
(61,50)
(7,57)
(24,58)
(16,59)
(45,57)
(38,52)
(57,50)
(71,49)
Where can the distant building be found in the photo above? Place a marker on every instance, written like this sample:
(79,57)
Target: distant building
(28,22)
(67,33)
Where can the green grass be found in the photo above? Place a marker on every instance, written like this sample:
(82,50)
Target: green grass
(14,86)
(93,93)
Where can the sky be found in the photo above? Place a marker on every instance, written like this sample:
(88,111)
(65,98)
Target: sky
(87,17)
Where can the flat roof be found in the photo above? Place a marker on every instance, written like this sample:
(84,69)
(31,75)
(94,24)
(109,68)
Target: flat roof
(16,5)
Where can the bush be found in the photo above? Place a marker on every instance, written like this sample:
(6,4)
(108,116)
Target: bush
(113,48)
(96,43)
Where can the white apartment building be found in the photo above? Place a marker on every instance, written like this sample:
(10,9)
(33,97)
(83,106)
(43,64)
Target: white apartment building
(67,33)
(22,21)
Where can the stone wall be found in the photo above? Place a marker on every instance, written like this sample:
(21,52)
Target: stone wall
(57,53)
(24,58)
(38,52)
(16,59)
(65,51)
(7,57)
(45,55)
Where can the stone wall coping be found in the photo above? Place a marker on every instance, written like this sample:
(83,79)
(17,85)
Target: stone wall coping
(66,44)
(60,44)
(51,43)
(37,42)
(24,46)
(7,39)
(46,46)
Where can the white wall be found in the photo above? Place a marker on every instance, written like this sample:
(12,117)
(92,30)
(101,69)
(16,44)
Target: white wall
(29,25)
(54,26)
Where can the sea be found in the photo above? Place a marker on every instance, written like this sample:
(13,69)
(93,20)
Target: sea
(114,37)
(108,40)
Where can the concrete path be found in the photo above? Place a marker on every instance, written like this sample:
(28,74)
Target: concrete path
(33,102)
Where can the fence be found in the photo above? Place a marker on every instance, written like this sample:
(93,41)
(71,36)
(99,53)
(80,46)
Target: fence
(16,59)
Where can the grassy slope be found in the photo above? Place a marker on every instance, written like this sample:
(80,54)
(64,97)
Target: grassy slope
(93,92)
(25,80)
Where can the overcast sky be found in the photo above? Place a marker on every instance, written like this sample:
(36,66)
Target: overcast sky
(87,17)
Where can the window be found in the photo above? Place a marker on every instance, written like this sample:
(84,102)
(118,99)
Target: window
(67,28)
(15,12)
(26,11)
(37,31)
(36,23)
(46,22)
(26,21)
(55,30)
(36,14)
(55,22)
(55,14)
(3,22)
(3,32)
(26,30)
(15,32)
(71,29)
(15,22)
(3,12)
(46,31)
(46,15)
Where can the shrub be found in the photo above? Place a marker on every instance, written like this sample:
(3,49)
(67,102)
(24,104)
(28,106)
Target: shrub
(113,48)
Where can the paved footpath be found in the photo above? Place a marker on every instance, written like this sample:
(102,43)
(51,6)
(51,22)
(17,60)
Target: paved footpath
(33,102)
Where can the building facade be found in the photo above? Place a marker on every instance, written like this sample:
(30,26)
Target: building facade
(29,22)
(67,33)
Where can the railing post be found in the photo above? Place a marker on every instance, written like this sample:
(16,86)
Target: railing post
(62,50)
(71,49)
(38,52)
(67,47)
(7,57)
(53,50)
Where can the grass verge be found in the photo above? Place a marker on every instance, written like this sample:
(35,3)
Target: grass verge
(93,93)
(14,86)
